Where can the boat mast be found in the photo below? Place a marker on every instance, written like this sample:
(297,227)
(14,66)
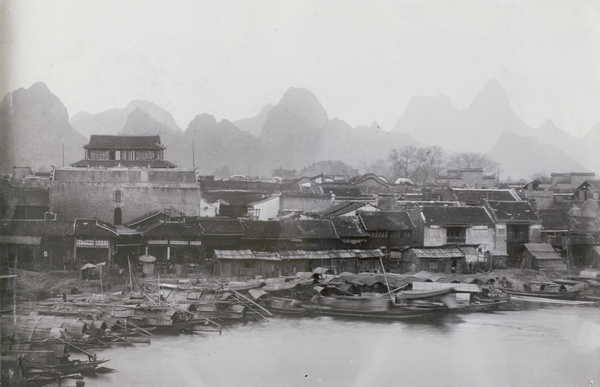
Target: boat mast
(386,279)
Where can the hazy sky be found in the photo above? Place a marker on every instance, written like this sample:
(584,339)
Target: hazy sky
(364,60)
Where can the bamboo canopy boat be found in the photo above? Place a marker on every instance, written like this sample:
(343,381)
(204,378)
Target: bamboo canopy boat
(377,306)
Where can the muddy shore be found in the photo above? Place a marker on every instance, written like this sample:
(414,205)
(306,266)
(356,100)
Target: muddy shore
(36,286)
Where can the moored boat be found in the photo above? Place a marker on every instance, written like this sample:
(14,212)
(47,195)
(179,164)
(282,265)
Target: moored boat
(544,290)
(286,306)
(370,305)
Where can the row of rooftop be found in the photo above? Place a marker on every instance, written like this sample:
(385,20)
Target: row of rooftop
(114,187)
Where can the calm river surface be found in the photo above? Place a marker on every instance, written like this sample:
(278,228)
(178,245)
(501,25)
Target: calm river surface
(539,346)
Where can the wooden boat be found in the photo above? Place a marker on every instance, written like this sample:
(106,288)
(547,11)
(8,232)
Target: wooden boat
(375,307)
(412,295)
(71,367)
(287,306)
(456,301)
(544,290)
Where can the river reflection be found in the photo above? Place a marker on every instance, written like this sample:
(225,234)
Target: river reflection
(538,346)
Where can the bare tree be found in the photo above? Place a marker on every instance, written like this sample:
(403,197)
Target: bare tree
(469,160)
(379,168)
(418,164)
(404,160)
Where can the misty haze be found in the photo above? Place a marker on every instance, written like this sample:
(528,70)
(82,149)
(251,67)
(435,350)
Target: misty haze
(306,193)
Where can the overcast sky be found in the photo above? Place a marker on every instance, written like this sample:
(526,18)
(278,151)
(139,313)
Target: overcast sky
(364,60)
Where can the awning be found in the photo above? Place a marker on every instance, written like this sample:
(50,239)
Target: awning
(440,253)
(542,251)
(20,240)
(298,254)
(234,254)
(368,253)
(266,256)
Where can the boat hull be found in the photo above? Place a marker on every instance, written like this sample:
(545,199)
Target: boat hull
(399,313)
(286,306)
(371,308)
(568,295)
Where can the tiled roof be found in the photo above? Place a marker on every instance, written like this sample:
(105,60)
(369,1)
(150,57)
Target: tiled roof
(290,229)
(124,163)
(212,226)
(175,229)
(477,196)
(371,176)
(455,215)
(513,211)
(37,228)
(348,227)
(124,142)
(94,227)
(342,208)
(593,183)
(262,229)
(386,221)
(553,220)
(307,228)
(148,220)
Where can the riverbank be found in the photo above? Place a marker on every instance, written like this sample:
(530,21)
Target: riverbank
(71,307)
(37,286)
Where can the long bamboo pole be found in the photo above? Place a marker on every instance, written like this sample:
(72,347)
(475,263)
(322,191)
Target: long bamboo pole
(246,298)
(386,280)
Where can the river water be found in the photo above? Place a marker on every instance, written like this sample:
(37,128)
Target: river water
(538,346)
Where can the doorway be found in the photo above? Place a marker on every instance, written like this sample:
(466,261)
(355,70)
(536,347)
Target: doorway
(118,216)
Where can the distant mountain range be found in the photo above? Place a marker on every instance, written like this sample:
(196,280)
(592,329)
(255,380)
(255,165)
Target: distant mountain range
(294,133)
(34,130)
(490,126)
(113,121)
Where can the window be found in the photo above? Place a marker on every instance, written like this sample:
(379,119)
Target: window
(118,196)
(456,235)
(535,231)
(501,231)
(433,265)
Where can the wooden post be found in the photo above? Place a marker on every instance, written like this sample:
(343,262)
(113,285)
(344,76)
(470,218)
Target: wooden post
(109,252)
(101,287)
(74,249)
